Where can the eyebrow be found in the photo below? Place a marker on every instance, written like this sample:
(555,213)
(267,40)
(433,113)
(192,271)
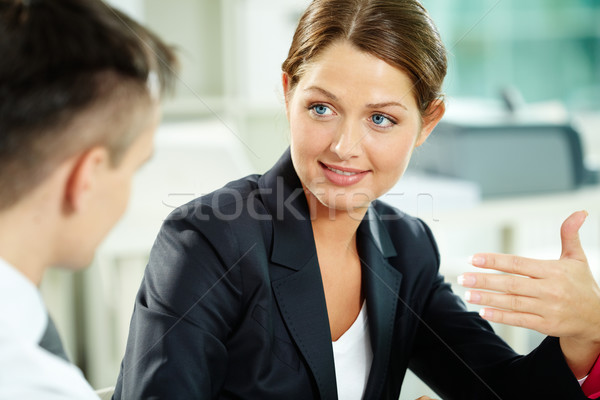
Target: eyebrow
(372,105)
(323,91)
(387,104)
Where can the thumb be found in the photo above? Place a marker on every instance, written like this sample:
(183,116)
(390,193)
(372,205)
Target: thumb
(569,235)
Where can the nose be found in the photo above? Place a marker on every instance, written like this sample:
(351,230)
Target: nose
(347,142)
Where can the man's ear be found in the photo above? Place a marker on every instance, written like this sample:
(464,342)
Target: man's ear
(85,172)
(433,115)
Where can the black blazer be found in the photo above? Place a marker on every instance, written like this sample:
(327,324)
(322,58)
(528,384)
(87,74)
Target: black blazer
(232,307)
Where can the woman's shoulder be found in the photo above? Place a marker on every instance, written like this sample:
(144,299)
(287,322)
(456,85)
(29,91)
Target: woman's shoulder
(230,202)
(223,217)
(396,219)
(212,232)
(222,198)
(404,230)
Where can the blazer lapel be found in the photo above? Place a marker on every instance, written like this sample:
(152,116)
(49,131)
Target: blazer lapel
(302,302)
(295,275)
(381,285)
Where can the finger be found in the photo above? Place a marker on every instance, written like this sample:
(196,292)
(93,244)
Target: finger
(511,264)
(569,235)
(503,301)
(510,284)
(524,320)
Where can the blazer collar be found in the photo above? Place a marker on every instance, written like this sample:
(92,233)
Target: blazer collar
(284,198)
(300,294)
(301,299)
(372,228)
(381,285)
(297,285)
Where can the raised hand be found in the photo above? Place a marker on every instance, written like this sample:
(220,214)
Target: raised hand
(555,297)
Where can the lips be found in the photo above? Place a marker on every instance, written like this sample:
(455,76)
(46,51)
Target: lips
(342,176)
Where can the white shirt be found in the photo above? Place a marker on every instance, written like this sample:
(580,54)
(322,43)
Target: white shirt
(353,355)
(28,372)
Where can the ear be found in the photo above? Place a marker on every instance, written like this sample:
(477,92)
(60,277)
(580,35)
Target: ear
(85,172)
(285,82)
(434,114)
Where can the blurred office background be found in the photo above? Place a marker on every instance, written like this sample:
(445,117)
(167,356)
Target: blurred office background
(521,149)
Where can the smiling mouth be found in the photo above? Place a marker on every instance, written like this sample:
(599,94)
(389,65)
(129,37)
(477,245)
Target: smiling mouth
(345,173)
(343,177)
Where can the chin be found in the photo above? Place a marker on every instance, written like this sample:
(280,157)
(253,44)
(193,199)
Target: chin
(346,203)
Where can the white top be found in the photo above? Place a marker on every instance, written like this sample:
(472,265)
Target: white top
(28,372)
(352,355)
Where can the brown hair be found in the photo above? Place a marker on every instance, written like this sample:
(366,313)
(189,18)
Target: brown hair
(75,74)
(399,32)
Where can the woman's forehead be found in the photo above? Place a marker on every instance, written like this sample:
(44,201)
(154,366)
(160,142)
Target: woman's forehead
(342,69)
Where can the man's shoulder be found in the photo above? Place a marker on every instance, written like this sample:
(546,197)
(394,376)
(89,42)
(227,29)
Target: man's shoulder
(22,309)
(30,372)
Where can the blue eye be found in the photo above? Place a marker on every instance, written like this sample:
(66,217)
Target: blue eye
(321,110)
(382,120)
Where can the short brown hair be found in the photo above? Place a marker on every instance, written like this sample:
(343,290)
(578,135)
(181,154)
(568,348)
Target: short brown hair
(399,32)
(65,61)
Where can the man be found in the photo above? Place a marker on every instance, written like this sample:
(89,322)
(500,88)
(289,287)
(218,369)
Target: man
(79,90)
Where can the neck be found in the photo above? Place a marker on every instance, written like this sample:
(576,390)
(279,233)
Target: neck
(33,233)
(334,228)
(25,242)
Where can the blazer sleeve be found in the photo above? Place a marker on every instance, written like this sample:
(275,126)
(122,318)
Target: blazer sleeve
(460,357)
(186,307)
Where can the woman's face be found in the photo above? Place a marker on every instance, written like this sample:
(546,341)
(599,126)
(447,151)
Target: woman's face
(354,123)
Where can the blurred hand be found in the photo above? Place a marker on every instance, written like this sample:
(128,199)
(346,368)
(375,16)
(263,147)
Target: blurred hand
(555,297)
(425,398)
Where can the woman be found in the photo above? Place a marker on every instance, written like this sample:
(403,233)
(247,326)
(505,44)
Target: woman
(299,284)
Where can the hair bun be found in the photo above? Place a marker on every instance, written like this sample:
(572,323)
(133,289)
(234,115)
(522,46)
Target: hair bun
(29,3)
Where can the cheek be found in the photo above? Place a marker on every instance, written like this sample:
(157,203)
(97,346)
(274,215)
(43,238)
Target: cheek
(121,198)
(393,156)
(308,136)
(126,195)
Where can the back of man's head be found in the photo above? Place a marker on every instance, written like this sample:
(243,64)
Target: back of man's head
(61,59)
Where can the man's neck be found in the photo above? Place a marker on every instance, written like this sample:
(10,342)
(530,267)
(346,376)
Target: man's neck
(24,243)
